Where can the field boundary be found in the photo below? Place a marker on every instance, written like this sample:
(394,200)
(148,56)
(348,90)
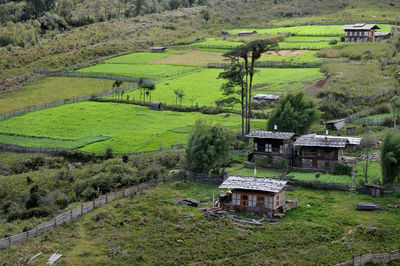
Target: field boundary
(374,258)
(272,64)
(78,99)
(79,211)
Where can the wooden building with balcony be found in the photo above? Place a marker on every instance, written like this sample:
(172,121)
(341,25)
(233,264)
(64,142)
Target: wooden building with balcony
(318,153)
(271,148)
(254,195)
(362,32)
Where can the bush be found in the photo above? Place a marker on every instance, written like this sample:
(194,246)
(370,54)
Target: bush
(333,42)
(109,153)
(62,201)
(342,169)
(6,40)
(102,182)
(89,194)
(383,108)
(153,172)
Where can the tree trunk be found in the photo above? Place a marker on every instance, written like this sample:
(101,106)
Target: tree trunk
(246,92)
(366,168)
(250,88)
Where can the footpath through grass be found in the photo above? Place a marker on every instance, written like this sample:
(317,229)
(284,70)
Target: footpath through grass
(149,230)
(131,128)
(51,89)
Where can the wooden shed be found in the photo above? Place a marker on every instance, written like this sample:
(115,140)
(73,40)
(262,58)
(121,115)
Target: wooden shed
(336,124)
(374,190)
(246,33)
(256,195)
(268,98)
(156,106)
(351,131)
(158,49)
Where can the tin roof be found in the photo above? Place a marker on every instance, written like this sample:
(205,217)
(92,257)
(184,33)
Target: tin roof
(266,96)
(351,141)
(377,34)
(157,48)
(361,26)
(247,31)
(336,121)
(254,183)
(261,134)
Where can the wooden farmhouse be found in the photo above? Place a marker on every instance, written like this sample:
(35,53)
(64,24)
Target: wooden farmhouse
(268,98)
(271,148)
(159,49)
(336,124)
(362,32)
(246,33)
(254,195)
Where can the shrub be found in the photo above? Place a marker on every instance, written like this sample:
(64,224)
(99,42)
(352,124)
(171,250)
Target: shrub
(125,158)
(333,42)
(102,182)
(109,153)
(6,40)
(89,194)
(342,169)
(62,201)
(383,108)
(153,172)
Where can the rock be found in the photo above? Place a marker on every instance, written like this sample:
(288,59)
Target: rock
(190,202)
(364,206)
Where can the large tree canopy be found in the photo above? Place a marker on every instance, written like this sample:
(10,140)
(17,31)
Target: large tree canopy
(294,113)
(390,158)
(209,147)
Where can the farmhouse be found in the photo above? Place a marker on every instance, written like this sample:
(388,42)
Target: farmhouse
(318,153)
(362,32)
(336,124)
(159,49)
(268,98)
(271,148)
(256,195)
(246,33)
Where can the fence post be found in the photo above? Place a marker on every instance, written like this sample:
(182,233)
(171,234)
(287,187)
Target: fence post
(55,221)
(123,193)
(37,230)
(106,198)
(94,204)
(71,214)
(9,240)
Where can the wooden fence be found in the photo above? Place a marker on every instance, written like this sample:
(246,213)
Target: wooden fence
(372,258)
(317,185)
(374,96)
(204,178)
(373,121)
(25,149)
(62,102)
(77,212)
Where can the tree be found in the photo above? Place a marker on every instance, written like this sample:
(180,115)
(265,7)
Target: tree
(205,15)
(294,113)
(191,2)
(41,6)
(116,86)
(390,158)
(148,87)
(395,103)
(209,147)
(179,94)
(367,144)
(138,6)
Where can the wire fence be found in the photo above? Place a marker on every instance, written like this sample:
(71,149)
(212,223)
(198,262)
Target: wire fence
(273,64)
(372,258)
(38,107)
(79,211)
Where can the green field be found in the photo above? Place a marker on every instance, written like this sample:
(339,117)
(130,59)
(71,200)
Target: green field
(52,89)
(303,57)
(136,58)
(304,45)
(212,42)
(131,128)
(203,87)
(326,229)
(310,39)
(140,70)
(315,30)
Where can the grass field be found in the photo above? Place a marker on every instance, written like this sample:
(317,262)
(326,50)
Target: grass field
(203,87)
(304,45)
(191,58)
(314,30)
(299,56)
(136,58)
(149,230)
(131,128)
(140,70)
(310,39)
(52,89)
(212,42)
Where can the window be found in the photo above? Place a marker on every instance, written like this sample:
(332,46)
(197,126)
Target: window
(260,201)
(281,149)
(268,147)
(244,200)
(252,200)
(236,199)
(269,202)
(255,146)
(351,33)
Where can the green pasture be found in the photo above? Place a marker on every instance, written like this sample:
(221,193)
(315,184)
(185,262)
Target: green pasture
(51,89)
(137,58)
(131,128)
(140,70)
(310,39)
(203,87)
(304,57)
(149,230)
(309,30)
(304,45)
(212,43)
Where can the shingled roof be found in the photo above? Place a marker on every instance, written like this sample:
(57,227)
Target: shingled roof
(321,141)
(351,141)
(261,134)
(254,183)
(361,26)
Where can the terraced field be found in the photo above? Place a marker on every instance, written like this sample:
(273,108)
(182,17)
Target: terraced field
(127,128)
(203,87)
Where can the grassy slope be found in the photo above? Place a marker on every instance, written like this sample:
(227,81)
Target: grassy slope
(149,230)
(131,128)
(204,87)
(52,89)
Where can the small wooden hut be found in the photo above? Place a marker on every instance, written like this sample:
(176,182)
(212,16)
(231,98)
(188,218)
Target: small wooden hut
(374,190)
(156,106)
(351,131)
(246,33)
(268,98)
(256,195)
(158,49)
(336,124)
